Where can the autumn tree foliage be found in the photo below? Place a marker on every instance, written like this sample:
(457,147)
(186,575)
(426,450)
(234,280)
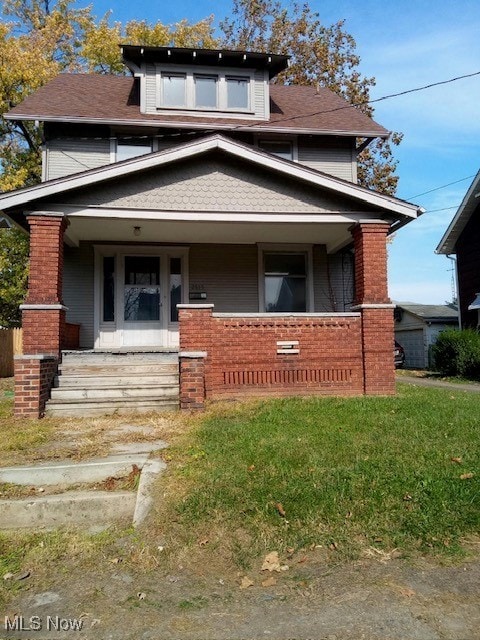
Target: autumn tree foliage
(45,37)
(319,54)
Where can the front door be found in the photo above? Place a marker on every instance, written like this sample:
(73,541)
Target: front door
(137,296)
(143,318)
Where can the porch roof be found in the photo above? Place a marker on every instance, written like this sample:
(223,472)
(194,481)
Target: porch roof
(251,220)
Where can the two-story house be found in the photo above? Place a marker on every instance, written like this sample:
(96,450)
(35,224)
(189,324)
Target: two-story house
(194,209)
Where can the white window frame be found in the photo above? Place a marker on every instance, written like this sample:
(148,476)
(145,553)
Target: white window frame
(307,249)
(222,88)
(293,140)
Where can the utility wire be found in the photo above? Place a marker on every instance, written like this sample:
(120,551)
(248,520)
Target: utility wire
(437,188)
(443,209)
(364,102)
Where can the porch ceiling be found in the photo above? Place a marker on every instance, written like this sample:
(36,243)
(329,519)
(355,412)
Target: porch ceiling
(332,234)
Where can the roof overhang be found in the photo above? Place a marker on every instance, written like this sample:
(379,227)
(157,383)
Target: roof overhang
(470,202)
(273,63)
(397,210)
(256,127)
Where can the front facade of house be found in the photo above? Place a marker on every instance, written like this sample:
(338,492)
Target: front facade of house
(463,239)
(196,208)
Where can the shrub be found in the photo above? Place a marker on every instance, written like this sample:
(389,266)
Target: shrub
(457,353)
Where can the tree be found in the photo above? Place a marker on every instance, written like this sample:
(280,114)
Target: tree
(319,54)
(13,275)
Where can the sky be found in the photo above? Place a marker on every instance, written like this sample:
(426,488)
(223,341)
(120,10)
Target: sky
(405,44)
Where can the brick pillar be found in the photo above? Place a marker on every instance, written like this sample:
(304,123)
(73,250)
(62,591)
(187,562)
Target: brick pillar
(195,338)
(371,298)
(43,315)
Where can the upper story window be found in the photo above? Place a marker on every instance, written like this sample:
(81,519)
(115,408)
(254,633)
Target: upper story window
(282,149)
(209,91)
(237,92)
(131,148)
(174,89)
(206,92)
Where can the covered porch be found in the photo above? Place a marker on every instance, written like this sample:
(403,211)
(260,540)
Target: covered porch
(267,277)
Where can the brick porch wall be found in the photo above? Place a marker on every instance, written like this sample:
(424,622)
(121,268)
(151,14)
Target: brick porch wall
(33,381)
(243,355)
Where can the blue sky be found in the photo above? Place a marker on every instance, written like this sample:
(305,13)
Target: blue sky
(404,44)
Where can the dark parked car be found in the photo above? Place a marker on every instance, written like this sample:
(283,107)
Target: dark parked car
(399,355)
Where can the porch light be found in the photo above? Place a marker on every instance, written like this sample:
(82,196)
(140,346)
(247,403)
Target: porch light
(137,231)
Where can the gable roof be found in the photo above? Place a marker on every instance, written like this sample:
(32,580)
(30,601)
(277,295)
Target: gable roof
(431,312)
(102,99)
(398,209)
(469,204)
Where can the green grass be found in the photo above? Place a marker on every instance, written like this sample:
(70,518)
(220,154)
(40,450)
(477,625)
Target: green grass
(358,472)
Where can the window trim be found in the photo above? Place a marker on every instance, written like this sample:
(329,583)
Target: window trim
(306,249)
(222,89)
(175,74)
(293,140)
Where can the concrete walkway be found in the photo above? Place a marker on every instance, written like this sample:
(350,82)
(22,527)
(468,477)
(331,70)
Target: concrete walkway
(472,387)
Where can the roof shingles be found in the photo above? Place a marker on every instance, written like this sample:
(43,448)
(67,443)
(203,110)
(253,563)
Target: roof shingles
(111,99)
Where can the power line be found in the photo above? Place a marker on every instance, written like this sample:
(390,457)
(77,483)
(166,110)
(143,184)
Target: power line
(443,209)
(364,102)
(437,188)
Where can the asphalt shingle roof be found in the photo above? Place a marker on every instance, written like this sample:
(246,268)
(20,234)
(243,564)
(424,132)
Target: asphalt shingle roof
(91,98)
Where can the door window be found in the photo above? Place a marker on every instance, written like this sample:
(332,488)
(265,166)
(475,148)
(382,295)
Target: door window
(285,282)
(142,289)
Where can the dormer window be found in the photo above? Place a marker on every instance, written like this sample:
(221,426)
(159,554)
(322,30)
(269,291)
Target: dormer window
(205,90)
(237,92)
(174,89)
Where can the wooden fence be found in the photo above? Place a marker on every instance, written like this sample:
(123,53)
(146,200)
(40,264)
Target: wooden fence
(10,345)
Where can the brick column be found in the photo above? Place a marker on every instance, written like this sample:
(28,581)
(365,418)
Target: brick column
(195,339)
(43,315)
(371,298)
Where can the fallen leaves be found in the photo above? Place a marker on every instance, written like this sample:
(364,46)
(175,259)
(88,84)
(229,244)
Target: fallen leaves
(467,476)
(280,509)
(269,582)
(458,460)
(271,562)
(246,582)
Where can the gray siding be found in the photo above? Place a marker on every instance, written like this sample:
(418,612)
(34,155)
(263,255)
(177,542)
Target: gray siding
(228,274)
(151,89)
(260,87)
(335,156)
(78,296)
(64,157)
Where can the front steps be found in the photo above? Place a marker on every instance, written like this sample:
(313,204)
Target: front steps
(102,383)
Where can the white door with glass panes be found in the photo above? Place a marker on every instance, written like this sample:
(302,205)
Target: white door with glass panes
(138,295)
(143,324)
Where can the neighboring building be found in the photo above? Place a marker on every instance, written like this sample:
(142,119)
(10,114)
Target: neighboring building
(463,239)
(195,207)
(417,327)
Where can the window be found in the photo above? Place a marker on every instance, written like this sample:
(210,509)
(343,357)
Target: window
(142,288)
(206,91)
(216,91)
(175,287)
(285,282)
(108,289)
(237,93)
(280,148)
(131,148)
(174,89)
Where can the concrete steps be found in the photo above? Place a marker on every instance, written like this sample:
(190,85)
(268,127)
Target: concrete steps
(91,383)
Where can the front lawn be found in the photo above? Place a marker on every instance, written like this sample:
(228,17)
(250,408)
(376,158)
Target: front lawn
(346,474)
